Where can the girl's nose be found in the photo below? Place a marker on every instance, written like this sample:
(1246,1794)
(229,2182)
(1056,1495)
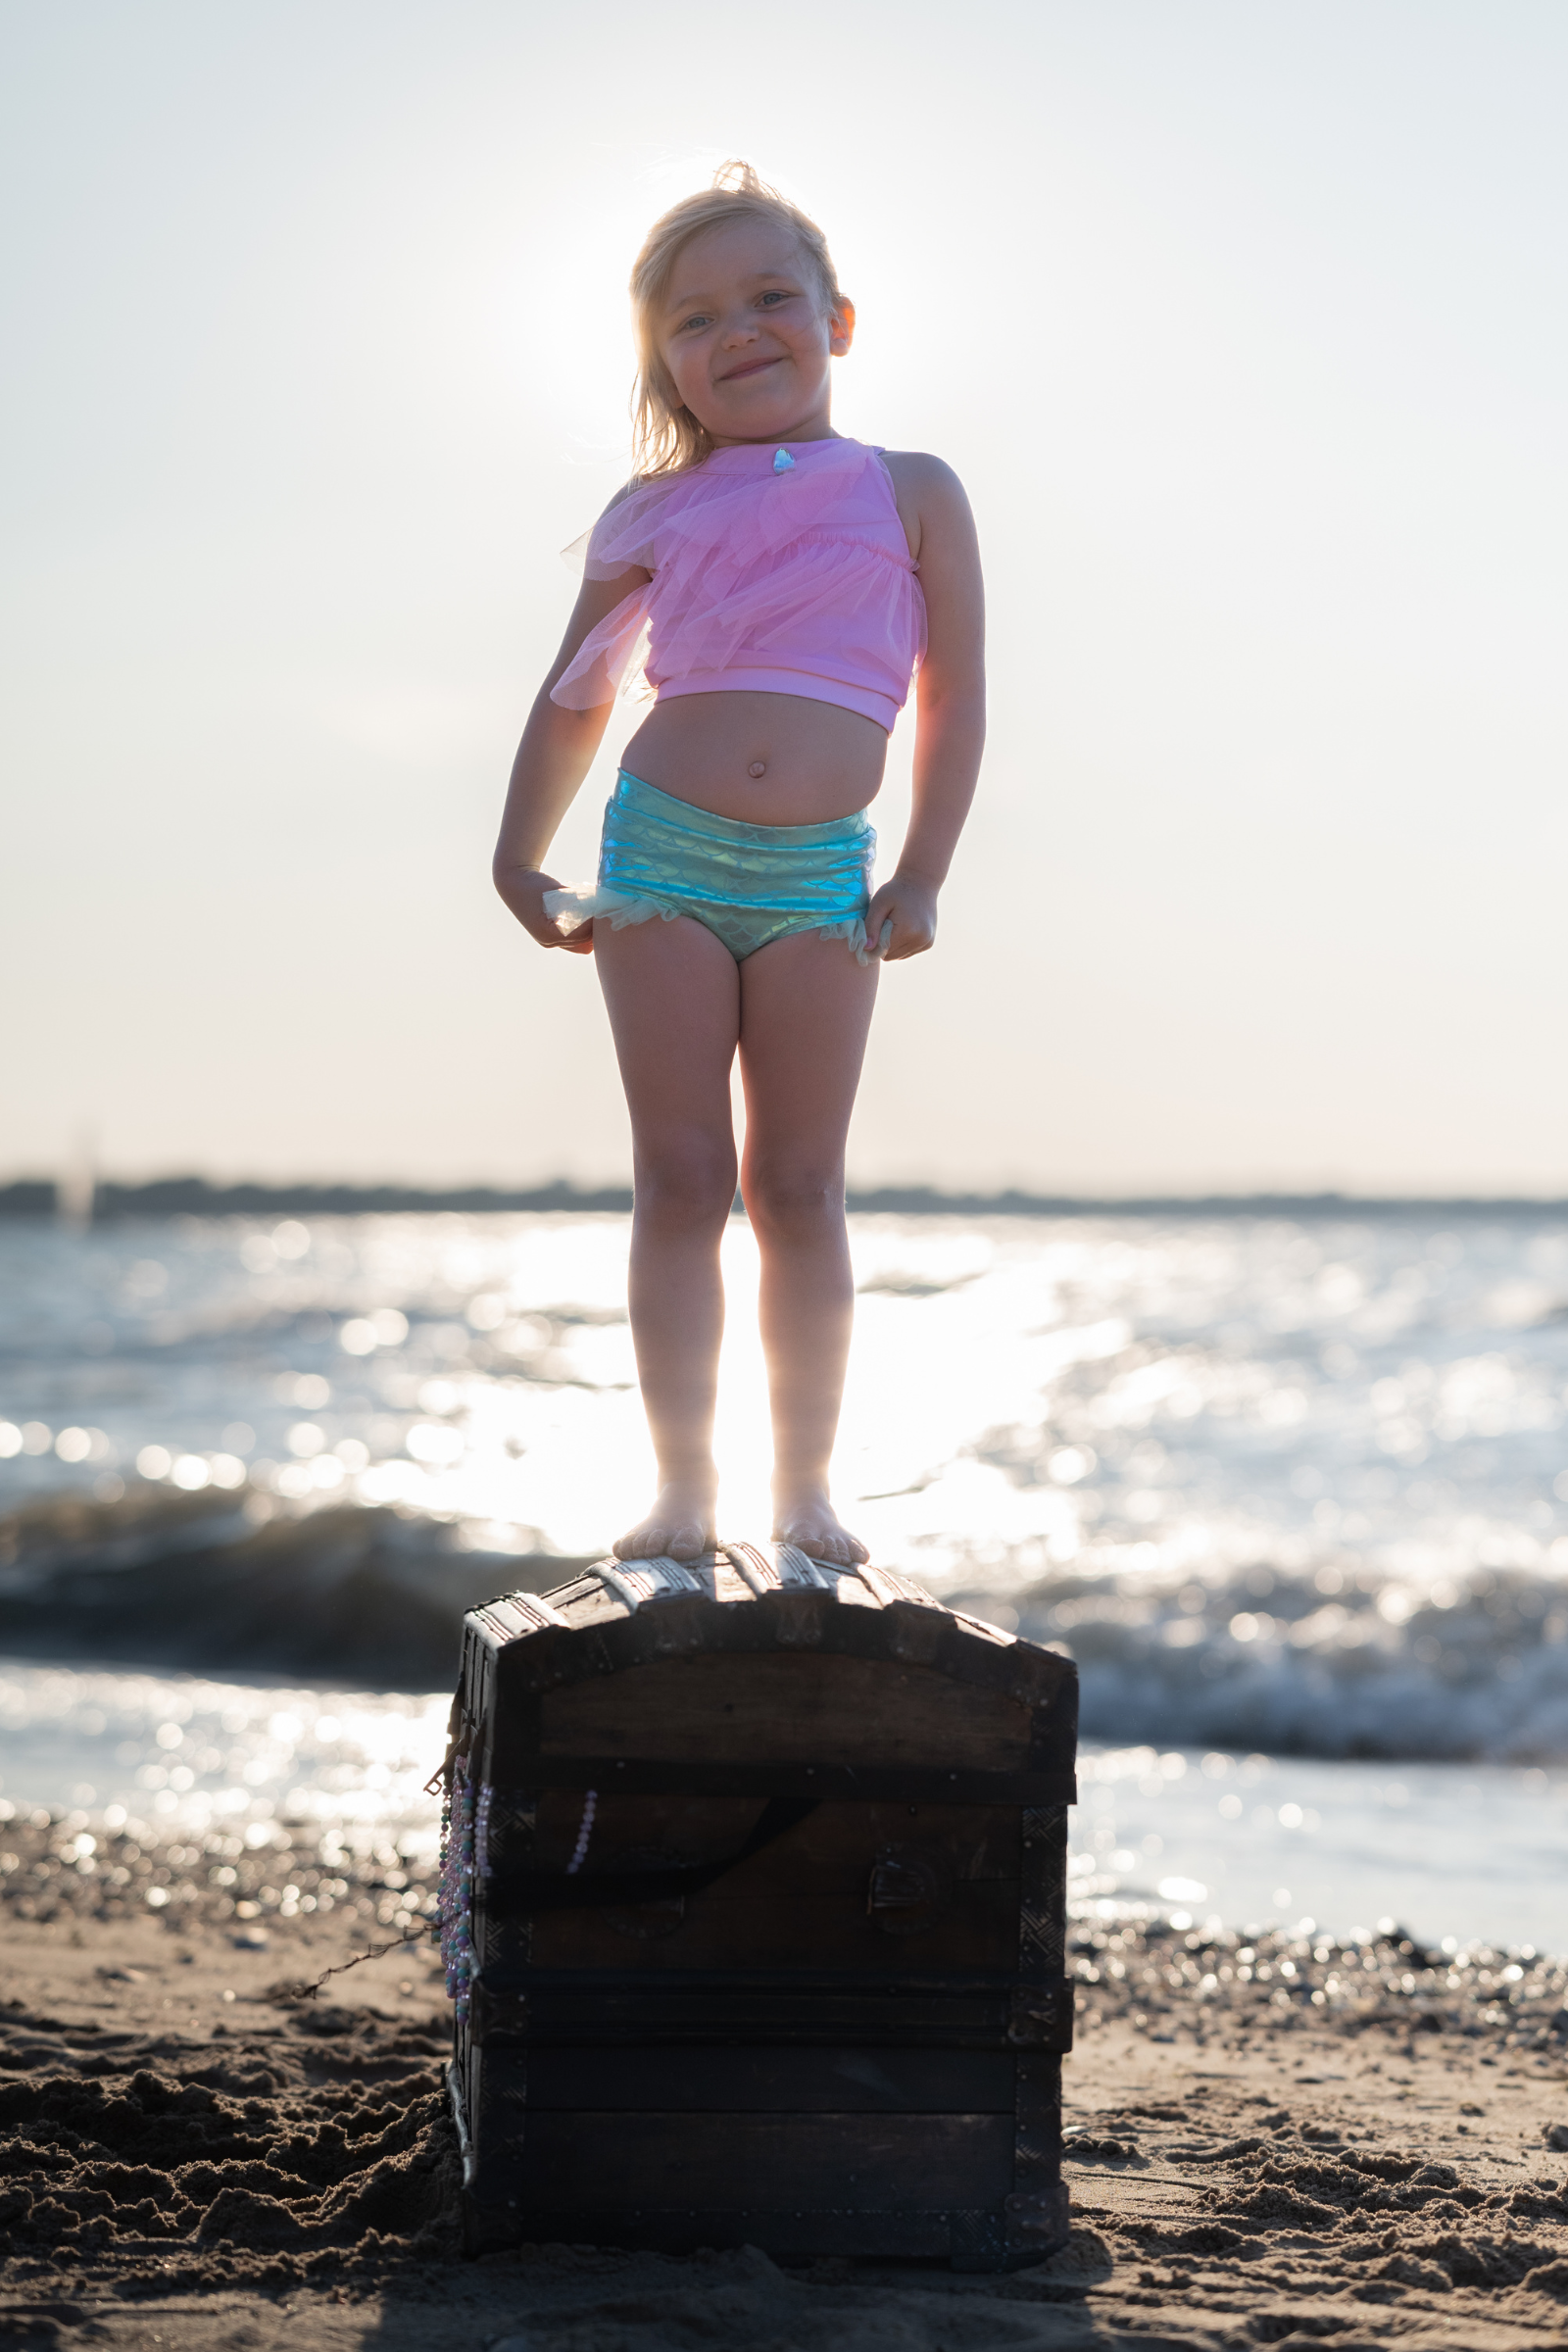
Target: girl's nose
(741,331)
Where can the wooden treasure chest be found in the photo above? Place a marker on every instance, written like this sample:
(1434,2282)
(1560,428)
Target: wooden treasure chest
(752,1909)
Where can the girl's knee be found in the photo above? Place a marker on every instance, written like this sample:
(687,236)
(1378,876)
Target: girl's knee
(686,1183)
(792,1202)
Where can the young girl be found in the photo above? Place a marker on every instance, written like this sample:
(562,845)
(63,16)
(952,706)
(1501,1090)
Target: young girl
(779,584)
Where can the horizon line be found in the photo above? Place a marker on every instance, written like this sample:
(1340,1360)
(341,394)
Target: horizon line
(84,1200)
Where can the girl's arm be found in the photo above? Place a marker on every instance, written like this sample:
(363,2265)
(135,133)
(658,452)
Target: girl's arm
(950,702)
(555,755)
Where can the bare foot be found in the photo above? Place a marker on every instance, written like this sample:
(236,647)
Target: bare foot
(804,1517)
(679,1526)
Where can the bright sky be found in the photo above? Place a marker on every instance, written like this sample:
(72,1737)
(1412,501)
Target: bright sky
(1246,322)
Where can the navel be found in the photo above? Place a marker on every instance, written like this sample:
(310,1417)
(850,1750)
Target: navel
(758,767)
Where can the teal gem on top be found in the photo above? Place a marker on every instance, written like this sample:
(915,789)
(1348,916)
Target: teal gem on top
(782,460)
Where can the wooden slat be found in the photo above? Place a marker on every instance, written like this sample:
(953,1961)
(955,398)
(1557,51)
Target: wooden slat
(789,1708)
(730,1776)
(767,2082)
(736,2162)
(797,2231)
(645,2008)
(765,1927)
(830,1853)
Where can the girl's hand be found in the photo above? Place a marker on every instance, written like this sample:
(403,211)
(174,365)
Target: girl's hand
(523,890)
(904,911)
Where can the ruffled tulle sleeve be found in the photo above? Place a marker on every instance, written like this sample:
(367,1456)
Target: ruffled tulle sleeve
(610,659)
(627,531)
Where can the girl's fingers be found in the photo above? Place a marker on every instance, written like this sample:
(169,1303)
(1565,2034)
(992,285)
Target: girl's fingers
(899,939)
(890,935)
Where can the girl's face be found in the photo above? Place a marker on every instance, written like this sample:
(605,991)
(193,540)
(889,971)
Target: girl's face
(745,336)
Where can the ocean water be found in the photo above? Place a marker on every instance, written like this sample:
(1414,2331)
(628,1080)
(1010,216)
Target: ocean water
(1293,1492)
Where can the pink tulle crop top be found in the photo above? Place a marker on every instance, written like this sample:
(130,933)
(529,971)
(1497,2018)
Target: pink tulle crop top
(784,570)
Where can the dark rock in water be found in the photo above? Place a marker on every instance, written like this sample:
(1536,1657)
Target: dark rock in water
(230,1583)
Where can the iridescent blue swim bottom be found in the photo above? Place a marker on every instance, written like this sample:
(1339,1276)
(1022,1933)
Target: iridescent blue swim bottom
(748,884)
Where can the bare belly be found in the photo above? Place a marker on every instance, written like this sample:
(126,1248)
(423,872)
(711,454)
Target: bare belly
(765,758)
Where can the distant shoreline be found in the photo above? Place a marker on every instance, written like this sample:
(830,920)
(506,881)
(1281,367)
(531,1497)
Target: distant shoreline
(194,1195)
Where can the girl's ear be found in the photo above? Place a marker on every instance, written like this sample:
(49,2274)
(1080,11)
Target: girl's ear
(841,326)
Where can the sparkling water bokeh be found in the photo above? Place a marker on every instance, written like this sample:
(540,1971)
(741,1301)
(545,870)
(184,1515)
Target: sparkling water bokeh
(1291,1488)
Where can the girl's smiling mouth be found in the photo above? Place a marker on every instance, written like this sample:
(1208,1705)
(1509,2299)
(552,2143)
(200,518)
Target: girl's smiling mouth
(748,368)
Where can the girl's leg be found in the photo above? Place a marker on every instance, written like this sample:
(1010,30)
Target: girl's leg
(806,1007)
(673,992)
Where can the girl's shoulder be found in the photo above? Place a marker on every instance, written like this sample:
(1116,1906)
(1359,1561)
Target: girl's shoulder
(642,497)
(628,489)
(926,491)
(621,539)
(917,465)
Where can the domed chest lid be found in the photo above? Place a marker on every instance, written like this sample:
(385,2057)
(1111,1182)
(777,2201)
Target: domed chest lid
(758,1670)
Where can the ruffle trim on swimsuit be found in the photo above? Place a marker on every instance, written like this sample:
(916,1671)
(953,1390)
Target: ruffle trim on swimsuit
(581,906)
(851,928)
(624,908)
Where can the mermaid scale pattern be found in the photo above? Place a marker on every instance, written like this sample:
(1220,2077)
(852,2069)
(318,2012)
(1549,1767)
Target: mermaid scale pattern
(794,580)
(748,884)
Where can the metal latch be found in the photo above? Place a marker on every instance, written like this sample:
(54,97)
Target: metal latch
(911,1886)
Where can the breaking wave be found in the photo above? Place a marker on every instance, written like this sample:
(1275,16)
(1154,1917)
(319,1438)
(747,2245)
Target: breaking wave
(346,1595)
(1475,1667)
(1330,1663)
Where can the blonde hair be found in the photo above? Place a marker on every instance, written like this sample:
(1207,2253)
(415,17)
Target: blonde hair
(665,436)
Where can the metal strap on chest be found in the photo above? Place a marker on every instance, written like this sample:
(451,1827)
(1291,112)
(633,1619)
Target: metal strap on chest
(518,1613)
(789,1570)
(780,1568)
(636,1581)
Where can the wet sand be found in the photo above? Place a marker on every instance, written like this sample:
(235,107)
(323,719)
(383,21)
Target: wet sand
(192,2156)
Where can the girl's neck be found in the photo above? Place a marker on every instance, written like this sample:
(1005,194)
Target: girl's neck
(817,430)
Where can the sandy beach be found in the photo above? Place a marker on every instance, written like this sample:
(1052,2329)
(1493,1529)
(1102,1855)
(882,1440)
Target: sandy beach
(1284,2142)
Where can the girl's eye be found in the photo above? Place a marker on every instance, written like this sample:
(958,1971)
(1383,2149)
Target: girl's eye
(776,295)
(698,318)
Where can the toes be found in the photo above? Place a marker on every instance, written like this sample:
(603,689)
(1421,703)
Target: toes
(841,1550)
(643,1543)
(682,1540)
